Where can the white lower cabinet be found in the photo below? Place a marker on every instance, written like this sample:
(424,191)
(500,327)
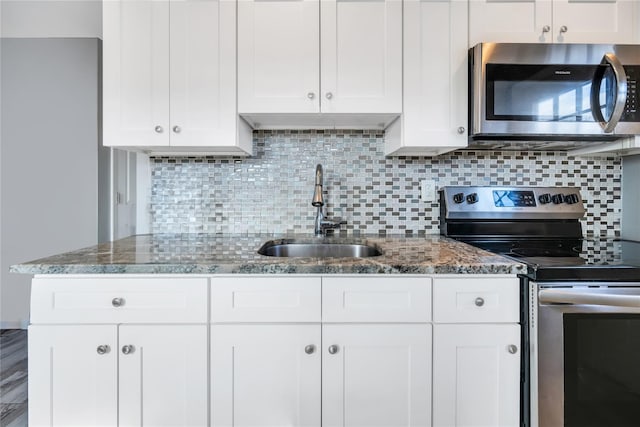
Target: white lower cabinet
(70,382)
(376,375)
(476,375)
(294,350)
(126,375)
(278,375)
(265,375)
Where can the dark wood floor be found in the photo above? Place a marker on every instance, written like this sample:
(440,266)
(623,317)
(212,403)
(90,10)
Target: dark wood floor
(13,378)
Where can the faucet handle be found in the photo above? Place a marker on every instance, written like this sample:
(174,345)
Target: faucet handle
(331,224)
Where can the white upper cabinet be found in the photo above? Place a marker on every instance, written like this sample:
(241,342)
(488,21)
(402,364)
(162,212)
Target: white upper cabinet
(361,56)
(552,21)
(305,63)
(278,62)
(169,76)
(434,118)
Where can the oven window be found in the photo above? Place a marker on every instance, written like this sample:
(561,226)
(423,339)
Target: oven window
(602,370)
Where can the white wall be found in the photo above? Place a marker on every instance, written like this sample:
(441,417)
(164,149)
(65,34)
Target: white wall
(51,18)
(49,160)
(631,197)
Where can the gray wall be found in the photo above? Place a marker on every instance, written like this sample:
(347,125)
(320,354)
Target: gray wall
(271,191)
(49,145)
(51,18)
(631,199)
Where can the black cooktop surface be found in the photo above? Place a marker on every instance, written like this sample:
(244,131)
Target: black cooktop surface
(571,259)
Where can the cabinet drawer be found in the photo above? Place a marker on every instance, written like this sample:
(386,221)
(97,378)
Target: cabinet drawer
(376,299)
(476,299)
(119,300)
(265,299)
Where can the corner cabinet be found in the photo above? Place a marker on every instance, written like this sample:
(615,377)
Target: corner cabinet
(285,350)
(169,77)
(434,118)
(553,21)
(319,63)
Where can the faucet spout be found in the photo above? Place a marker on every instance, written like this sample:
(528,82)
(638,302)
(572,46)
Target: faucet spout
(318,200)
(322,224)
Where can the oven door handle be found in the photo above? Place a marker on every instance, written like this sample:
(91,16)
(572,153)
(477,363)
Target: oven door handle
(561,296)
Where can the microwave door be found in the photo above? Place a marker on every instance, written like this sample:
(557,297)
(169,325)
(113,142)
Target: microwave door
(614,99)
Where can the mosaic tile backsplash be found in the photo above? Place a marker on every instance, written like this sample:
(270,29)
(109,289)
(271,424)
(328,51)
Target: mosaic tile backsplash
(271,192)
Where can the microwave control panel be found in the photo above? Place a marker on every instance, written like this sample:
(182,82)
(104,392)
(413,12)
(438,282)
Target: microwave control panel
(631,113)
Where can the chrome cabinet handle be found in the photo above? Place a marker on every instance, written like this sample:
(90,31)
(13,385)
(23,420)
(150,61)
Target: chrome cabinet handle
(333,349)
(177,129)
(311,95)
(513,349)
(479,301)
(117,302)
(564,29)
(103,349)
(310,349)
(546,29)
(159,129)
(329,95)
(128,349)
(461,130)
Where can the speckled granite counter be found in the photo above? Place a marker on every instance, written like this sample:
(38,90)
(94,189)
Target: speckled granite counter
(215,254)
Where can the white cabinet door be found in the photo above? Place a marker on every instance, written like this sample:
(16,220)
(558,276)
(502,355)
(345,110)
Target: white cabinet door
(594,21)
(265,375)
(435,70)
(376,375)
(163,379)
(476,375)
(510,21)
(72,379)
(203,72)
(361,56)
(278,56)
(542,21)
(136,73)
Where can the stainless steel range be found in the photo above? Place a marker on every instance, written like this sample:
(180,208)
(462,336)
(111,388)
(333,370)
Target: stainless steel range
(580,301)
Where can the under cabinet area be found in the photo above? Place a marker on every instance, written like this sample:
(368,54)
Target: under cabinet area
(265,350)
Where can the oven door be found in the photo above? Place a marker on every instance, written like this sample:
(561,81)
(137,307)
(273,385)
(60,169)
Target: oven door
(588,356)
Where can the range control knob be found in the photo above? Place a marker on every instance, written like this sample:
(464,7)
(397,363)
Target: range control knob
(458,197)
(545,198)
(472,198)
(571,198)
(557,199)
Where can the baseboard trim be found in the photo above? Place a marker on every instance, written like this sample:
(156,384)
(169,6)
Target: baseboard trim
(14,324)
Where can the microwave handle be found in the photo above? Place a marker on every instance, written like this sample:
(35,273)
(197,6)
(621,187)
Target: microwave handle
(561,296)
(611,60)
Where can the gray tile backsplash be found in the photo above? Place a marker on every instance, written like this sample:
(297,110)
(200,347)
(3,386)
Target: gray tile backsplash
(271,191)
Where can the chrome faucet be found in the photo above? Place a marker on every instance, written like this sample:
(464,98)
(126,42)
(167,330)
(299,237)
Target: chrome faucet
(322,224)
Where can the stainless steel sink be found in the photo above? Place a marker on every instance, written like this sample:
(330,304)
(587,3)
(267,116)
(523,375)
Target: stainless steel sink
(290,248)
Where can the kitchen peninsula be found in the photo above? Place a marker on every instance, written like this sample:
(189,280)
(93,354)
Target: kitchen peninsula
(198,329)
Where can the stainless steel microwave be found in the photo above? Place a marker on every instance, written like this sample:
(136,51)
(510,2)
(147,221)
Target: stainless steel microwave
(553,92)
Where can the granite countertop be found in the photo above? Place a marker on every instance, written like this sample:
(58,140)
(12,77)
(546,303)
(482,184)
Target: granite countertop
(236,254)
